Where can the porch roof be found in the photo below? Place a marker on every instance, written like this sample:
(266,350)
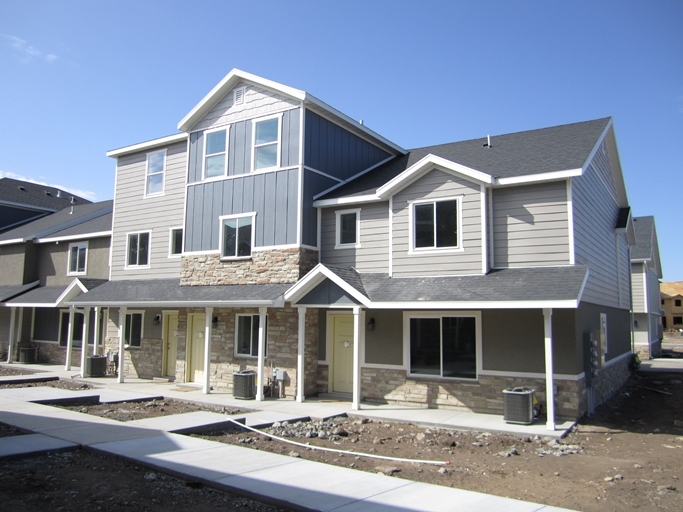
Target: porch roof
(540,287)
(169,293)
(53,296)
(11,290)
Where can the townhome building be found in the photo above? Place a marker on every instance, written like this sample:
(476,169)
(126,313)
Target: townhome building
(277,234)
(671,300)
(646,271)
(47,262)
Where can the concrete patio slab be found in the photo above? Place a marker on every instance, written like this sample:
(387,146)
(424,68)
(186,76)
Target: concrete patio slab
(191,422)
(32,444)
(47,394)
(84,433)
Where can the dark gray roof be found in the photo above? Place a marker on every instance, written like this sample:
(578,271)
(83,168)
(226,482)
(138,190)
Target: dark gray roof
(96,225)
(33,194)
(61,221)
(46,295)
(507,285)
(12,290)
(150,292)
(559,148)
(643,227)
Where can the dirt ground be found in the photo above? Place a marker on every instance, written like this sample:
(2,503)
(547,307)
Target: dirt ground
(627,457)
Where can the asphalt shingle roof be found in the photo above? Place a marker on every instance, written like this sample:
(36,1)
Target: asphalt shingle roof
(34,194)
(47,295)
(8,291)
(63,220)
(169,291)
(643,227)
(559,148)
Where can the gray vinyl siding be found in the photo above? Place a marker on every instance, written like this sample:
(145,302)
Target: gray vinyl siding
(595,242)
(438,184)
(272,195)
(373,253)
(53,261)
(314,183)
(530,225)
(134,213)
(257,102)
(638,286)
(653,298)
(335,151)
(240,147)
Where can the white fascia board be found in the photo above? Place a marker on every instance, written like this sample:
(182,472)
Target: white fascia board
(339,201)
(13,241)
(317,276)
(31,304)
(181,304)
(225,85)
(426,164)
(98,234)
(147,145)
(312,100)
(531,304)
(536,178)
(72,291)
(583,285)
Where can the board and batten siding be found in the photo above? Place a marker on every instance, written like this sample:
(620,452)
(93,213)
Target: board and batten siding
(272,195)
(530,225)
(134,213)
(240,146)
(596,244)
(314,183)
(331,149)
(257,102)
(437,184)
(373,253)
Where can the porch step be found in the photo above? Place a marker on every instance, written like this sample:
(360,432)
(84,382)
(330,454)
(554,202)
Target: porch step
(163,379)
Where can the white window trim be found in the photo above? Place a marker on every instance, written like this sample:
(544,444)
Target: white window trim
(149,250)
(226,129)
(170,241)
(142,327)
(411,227)
(337,237)
(68,259)
(407,315)
(147,175)
(279,142)
(223,218)
(265,341)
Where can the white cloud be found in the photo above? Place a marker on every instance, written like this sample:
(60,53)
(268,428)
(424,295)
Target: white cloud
(86,194)
(25,52)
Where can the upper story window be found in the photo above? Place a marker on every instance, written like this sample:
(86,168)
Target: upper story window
(138,249)
(246,335)
(78,255)
(677,303)
(237,236)
(156,165)
(215,151)
(267,143)
(435,224)
(175,243)
(348,228)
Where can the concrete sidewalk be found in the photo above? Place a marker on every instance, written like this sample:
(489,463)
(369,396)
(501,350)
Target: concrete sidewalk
(314,408)
(276,479)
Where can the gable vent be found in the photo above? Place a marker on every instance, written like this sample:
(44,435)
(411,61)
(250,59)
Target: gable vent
(239,96)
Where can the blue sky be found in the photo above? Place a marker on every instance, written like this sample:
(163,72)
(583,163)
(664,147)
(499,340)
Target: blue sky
(78,78)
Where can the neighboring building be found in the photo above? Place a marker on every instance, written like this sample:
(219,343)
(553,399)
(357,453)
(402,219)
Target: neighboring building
(646,271)
(276,232)
(45,263)
(23,201)
(672,305)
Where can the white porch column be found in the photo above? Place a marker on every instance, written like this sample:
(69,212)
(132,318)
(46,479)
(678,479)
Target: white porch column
(261,352)
(96,330)
(84,343)
(123,311)
(206,389)
(69,338)
(12,333)
(300,371)
(549,384)
(357,333)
